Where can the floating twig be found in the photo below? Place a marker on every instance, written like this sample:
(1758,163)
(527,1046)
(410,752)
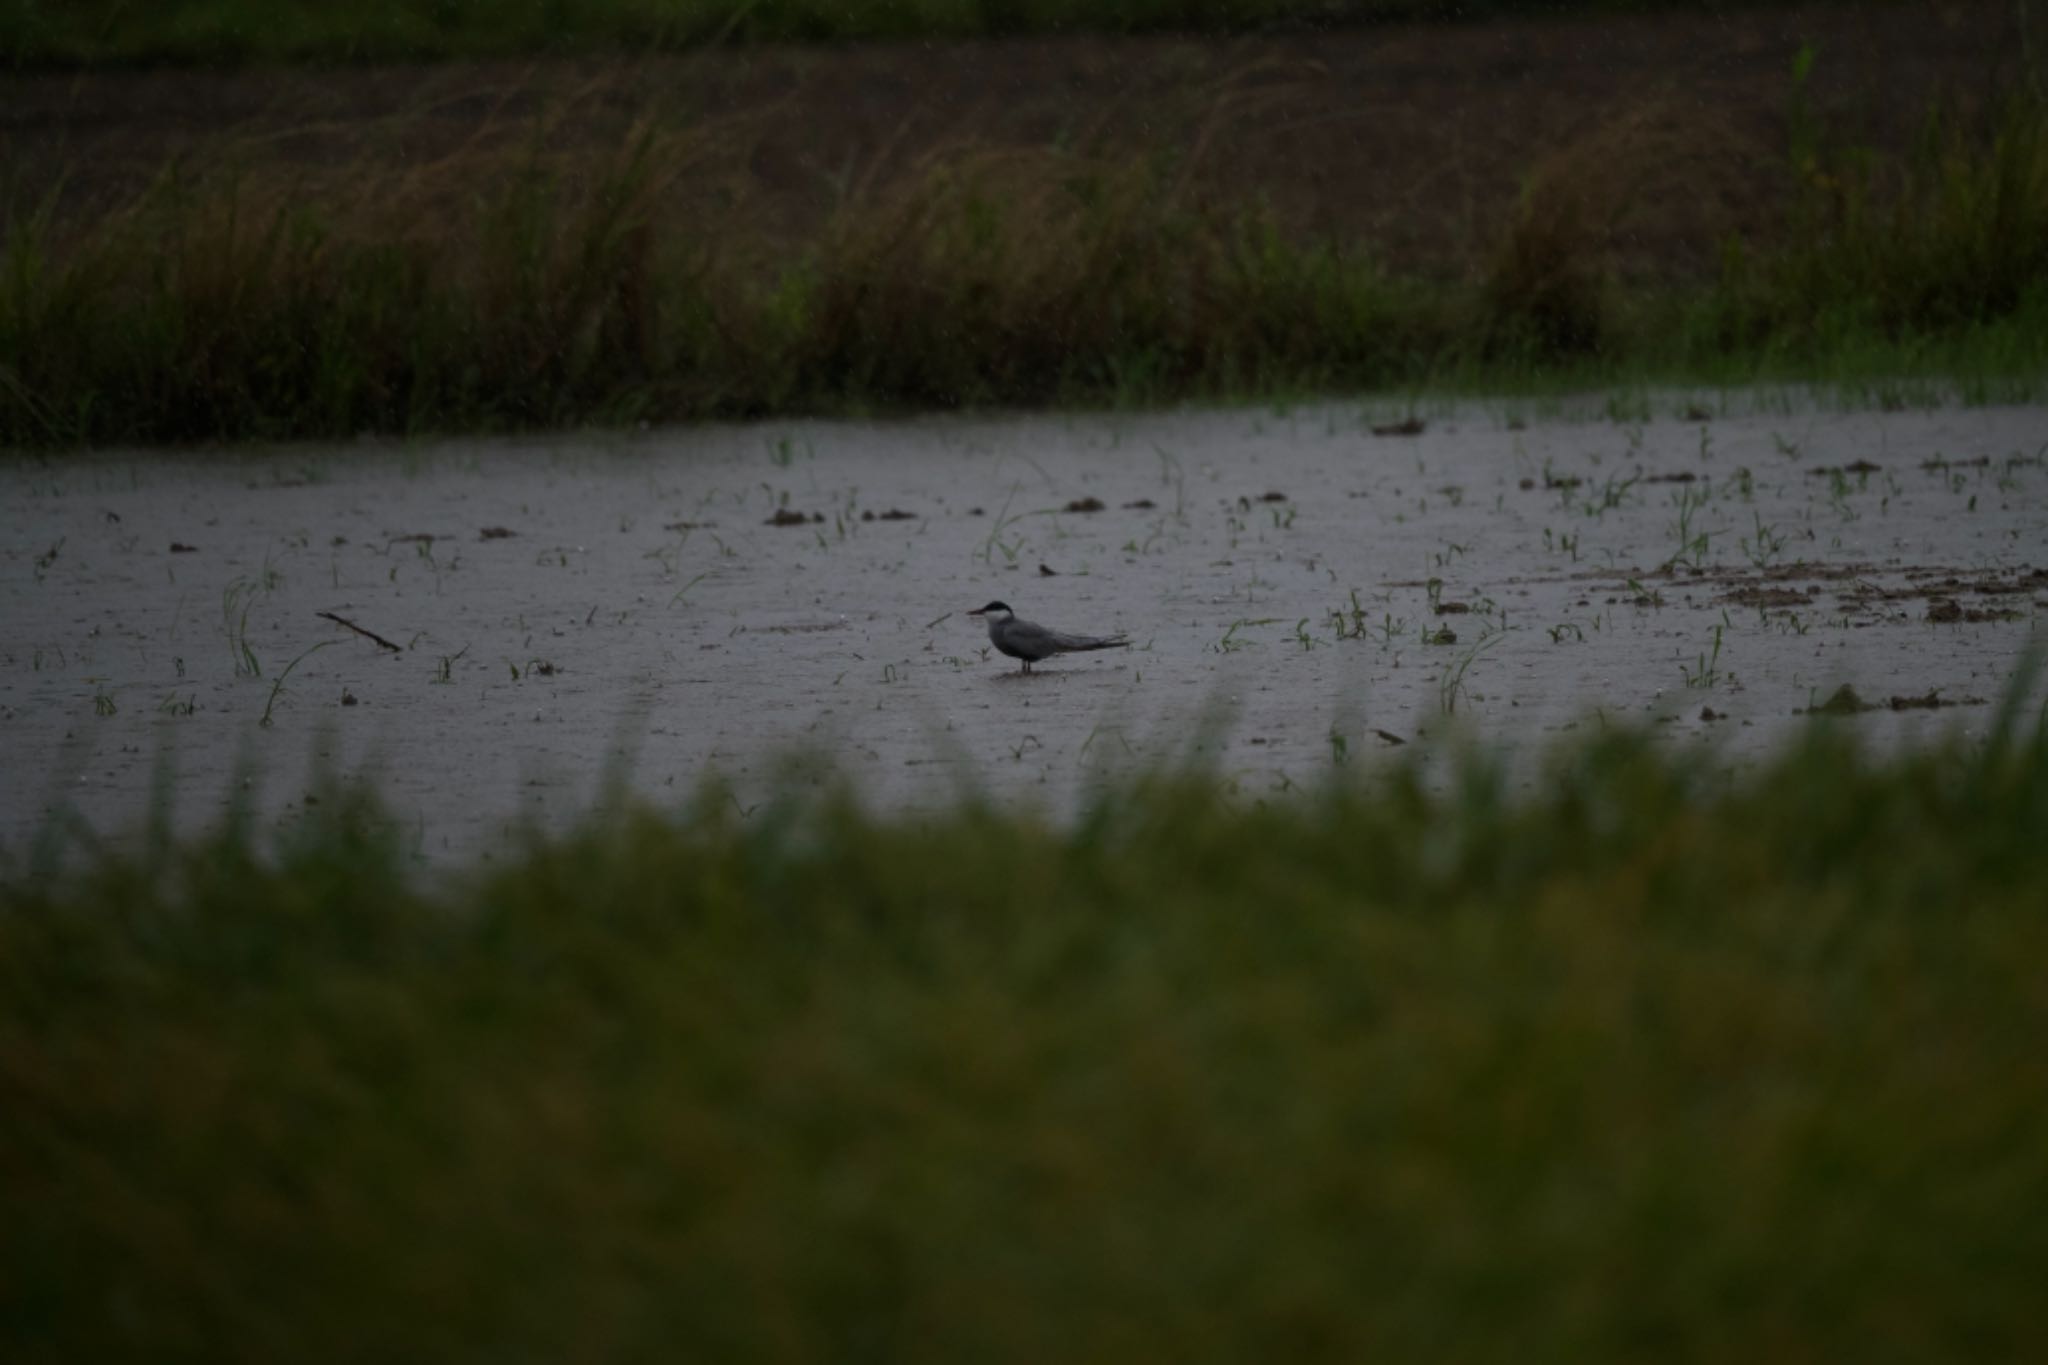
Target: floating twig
(372,636)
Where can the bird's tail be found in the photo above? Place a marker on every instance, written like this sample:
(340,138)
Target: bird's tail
(1076,643)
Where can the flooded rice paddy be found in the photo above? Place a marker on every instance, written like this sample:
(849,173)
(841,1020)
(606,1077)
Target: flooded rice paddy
(497,629)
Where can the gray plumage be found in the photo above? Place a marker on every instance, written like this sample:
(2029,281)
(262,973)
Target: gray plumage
(1033,643)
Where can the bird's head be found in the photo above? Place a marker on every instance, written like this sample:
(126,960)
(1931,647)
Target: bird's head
(1000,610)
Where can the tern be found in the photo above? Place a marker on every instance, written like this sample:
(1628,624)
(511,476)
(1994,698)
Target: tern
(1033,643)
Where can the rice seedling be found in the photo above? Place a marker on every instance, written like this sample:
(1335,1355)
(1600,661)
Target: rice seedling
(235,602)
(1692,548)
(277,686)
(1764,545)
(1451,686)
(1707,673)
(444,670)
(1349,623)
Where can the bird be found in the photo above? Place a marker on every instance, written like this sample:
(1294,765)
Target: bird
(1033,643)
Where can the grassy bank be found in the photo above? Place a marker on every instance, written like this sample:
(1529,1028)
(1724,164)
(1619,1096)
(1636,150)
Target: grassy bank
(1655,1062)
(88,33)
(521,288)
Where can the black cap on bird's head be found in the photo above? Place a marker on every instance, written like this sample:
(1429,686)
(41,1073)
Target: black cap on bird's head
(1002,607)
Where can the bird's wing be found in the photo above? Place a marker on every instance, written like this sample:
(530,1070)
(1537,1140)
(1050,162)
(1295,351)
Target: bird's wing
(1028,637)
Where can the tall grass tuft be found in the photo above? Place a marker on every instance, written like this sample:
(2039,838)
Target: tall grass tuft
(1545,290)
(1652,1060)
(1043,276)
(238,308)
(1954,233)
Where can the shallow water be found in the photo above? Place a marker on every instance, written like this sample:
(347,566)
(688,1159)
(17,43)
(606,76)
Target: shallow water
(1326,589)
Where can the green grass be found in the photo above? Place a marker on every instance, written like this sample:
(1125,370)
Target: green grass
(544,292)
(85,33)
(1653,1063)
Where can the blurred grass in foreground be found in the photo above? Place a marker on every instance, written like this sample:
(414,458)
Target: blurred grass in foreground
(85,33)
(512,287)
(1658,1062)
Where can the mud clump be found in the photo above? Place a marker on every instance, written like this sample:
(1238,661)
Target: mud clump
(1948,611)
(1933,701)
(1844,701)
(1762,596)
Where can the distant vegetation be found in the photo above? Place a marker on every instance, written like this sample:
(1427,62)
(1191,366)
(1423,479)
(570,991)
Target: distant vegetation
(45,33)
(1651,1062)
(534,290)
